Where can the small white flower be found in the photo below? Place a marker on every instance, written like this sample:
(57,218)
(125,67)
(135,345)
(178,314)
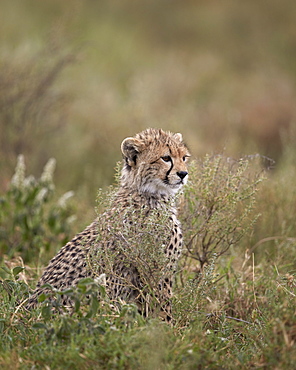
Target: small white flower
(64,198)
(19,176)
(71,219)
(101,280)
(41,195)
(29,181)
(48,171)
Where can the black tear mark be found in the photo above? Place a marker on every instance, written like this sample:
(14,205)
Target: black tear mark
(169,171)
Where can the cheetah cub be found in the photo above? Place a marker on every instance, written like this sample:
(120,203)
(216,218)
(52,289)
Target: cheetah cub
(154,170)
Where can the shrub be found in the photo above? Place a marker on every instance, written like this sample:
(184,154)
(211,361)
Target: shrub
(135,239)
(218,205)
(217,211)
(31,220)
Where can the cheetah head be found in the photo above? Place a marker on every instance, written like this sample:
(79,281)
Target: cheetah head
(155,162)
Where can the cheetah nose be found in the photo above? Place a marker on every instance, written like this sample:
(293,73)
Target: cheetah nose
(182,174)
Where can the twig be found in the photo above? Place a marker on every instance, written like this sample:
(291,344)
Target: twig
(236,319)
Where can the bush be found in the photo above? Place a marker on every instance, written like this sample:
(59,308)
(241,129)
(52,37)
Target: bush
(218,206)
(31,220)
(133,240)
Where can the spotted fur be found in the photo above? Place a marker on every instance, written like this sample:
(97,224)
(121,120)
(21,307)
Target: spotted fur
(154,170)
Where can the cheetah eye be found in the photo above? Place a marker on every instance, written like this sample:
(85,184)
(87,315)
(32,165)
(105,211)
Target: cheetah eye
(185,157)
(166,158)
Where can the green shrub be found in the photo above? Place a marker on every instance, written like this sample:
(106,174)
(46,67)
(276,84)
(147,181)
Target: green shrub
(140,237)
(31,220)
(218,207)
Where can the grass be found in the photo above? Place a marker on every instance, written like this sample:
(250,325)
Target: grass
(236,309)
(223,74)
(246,320)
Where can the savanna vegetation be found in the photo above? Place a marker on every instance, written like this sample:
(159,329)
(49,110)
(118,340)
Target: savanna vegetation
(78,77)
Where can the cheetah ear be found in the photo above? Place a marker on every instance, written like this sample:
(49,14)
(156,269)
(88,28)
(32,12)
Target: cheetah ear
(178,137)
(130,148)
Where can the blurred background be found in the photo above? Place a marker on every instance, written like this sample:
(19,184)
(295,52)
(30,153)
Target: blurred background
(77,77)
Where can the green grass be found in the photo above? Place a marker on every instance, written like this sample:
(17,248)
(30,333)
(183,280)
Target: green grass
(236,309)
(73,84)
(247,320)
